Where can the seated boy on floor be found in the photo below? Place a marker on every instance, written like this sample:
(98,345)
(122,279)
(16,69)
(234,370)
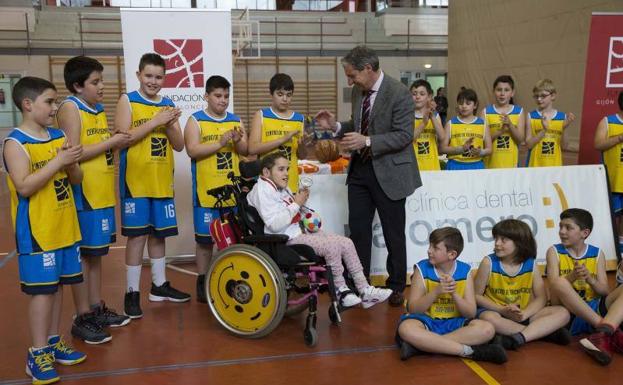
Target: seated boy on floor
(441,306)
(577,274)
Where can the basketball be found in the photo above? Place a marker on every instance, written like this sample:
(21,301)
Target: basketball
(326,150)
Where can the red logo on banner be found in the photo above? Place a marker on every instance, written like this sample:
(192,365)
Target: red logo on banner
(603,80)
(615,62)
(184,62)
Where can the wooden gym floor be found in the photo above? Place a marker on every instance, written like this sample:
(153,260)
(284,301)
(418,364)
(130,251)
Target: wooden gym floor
(184,344)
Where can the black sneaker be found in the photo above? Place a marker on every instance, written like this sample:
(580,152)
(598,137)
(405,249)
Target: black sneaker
(490,353)
(201,289)
(167,293)
(132,304)
(86,328)
(407,351)
(560,336)
(108,317)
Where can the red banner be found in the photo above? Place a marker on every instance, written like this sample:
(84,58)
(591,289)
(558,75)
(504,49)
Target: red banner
(603,79)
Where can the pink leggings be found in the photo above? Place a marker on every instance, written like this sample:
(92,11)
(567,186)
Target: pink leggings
(334,249)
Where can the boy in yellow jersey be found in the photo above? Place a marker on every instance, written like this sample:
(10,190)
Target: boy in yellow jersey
(506,124)
(442,303)
(428,130)
(146,181)
(214,140)
(545,128)
(510,292)
(278,128)
(41,164)
(608,139)
(577,275)
(466,138)
(81,116)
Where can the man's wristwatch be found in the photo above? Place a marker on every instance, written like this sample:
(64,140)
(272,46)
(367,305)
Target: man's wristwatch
(368,142)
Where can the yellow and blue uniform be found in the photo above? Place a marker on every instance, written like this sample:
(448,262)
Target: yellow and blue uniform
(443,316)
(548,151)
(505,152)
(95,196)
(566,263)
(613,159)
(275,127)
(461,131)
(146,175)
(505,289)
(425,146)
(46,224)
(212,171)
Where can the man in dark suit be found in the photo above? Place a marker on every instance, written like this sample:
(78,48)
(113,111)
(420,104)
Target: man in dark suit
(383,170)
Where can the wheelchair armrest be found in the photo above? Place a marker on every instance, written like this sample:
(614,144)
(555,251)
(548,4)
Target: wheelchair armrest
(265,238)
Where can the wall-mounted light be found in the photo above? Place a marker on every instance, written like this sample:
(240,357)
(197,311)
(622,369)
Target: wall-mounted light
(427,66)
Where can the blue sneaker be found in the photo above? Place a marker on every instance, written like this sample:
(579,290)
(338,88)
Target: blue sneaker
(40,366)
(63,354)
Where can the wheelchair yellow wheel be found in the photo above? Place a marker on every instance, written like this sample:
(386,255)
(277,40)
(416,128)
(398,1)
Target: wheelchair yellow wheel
(246,291)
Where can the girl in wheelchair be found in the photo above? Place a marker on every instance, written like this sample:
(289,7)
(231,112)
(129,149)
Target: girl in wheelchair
(281,212)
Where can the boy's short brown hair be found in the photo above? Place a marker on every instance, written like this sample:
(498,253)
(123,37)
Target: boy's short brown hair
(451,238)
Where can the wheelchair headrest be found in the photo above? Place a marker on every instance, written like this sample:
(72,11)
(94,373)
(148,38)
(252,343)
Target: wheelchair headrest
(249,169)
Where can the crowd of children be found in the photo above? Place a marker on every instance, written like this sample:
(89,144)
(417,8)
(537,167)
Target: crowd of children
(63,200)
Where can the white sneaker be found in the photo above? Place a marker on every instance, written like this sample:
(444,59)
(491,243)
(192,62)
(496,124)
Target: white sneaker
(346,297)
(372,295)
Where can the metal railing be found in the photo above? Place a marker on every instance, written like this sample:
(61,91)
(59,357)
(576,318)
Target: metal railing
(318,35)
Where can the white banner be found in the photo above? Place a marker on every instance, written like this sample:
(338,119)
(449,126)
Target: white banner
(195,44)
(475,200)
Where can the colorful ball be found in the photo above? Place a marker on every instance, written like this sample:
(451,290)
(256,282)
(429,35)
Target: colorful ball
(311,221)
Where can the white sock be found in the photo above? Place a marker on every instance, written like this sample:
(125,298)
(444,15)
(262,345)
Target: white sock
(158,276)
(133,278)
(467,351)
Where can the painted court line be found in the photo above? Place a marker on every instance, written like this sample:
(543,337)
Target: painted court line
(7,258)
(486,377)
(211,363)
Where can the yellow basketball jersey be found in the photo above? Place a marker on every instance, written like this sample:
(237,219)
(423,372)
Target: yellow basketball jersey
(274,127)
(444,306)
(505,152)
(613,157)
(212,171)
(425,146)
(547,152)
(146,168)
(47,220)
(97,189)
(566,263)
(505,289)
(461,131)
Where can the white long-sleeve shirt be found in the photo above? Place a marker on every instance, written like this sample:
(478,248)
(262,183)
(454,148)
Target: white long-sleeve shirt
(276,207)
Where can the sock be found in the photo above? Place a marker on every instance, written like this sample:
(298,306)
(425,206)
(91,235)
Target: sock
(519,338)
(133,278)
(606,328)
(95,306)
(467,351)
(158,277)
(360,282)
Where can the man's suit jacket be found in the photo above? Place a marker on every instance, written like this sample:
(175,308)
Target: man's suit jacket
(390,129)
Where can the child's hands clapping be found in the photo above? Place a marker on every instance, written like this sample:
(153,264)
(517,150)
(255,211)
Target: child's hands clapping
(301,197)
(513,312)
(580,271)
(447,285)
(69,154)
(166,116)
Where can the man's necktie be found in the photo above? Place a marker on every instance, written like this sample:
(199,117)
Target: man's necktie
(366,106)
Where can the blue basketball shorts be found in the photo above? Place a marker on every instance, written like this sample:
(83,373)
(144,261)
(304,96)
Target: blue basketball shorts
(455,165)
(439,326)
(148,216)
(578,325)
(41,273)
(98,230)
(617,203)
